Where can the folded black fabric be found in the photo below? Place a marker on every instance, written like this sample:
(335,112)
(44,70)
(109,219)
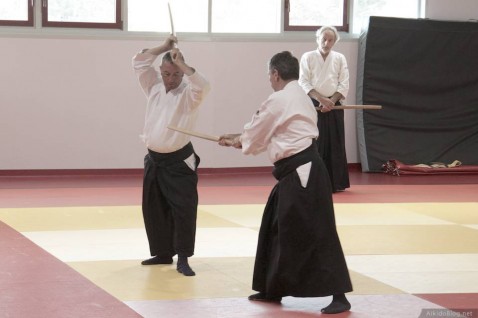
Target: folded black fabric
(397,168)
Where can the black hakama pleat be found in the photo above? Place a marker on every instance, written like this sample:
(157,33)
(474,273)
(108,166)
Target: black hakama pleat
(299,252)
(331,144)
(170,200)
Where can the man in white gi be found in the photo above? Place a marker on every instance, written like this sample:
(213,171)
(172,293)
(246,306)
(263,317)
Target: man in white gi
(324,76)
(170,195)
(299,252)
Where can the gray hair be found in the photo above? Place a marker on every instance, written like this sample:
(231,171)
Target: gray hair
(323,29)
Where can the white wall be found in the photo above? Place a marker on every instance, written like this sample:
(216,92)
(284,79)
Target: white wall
(74,103)
(460,10)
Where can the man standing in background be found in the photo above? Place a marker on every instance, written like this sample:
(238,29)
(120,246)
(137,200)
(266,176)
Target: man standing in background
(324,76)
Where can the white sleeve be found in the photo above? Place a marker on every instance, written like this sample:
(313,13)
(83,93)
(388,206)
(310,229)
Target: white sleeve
(259,131)
(200,87)
(143,67)
(343,83)
(305,74)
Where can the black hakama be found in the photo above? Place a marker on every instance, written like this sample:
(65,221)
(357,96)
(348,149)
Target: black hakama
(331,144)
(170,200)
(299,251)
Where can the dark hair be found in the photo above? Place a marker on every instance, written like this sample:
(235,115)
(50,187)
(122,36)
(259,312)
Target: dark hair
(286,65)
(167,58)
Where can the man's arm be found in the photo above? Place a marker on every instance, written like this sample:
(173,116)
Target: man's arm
(305,81)
(343,85)
(178,60)
(336,97)
(315,95)
(326,104)
(231,140)
(167,45)
(176,55)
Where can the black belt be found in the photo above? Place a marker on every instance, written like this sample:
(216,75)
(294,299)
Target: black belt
(287,165)
(171,157)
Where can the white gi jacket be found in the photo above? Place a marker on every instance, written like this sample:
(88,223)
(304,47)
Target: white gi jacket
(285,124)
(177,108)
(326,77)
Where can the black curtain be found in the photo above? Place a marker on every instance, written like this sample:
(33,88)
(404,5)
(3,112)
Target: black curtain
(425,75)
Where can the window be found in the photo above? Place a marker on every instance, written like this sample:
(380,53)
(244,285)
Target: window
(227,16)
(16,13)
(363,9)
(153,15)
(309,15)
(206,16)
(246,16)
(82,13)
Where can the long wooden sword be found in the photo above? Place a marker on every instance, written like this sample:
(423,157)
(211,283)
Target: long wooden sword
(357,107)
(354,107)
(195,134)
(171,20)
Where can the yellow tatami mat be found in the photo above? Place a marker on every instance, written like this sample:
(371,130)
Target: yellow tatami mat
(391,248)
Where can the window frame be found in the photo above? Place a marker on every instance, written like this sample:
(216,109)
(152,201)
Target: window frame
(287,27)
(38,20)
(28,23)
(118,24)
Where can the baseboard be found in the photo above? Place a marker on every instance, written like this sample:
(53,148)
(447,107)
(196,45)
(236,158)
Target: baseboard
(137,172)
(70,172)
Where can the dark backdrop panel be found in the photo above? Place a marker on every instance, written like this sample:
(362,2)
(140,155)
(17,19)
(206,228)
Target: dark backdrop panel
(425,74)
